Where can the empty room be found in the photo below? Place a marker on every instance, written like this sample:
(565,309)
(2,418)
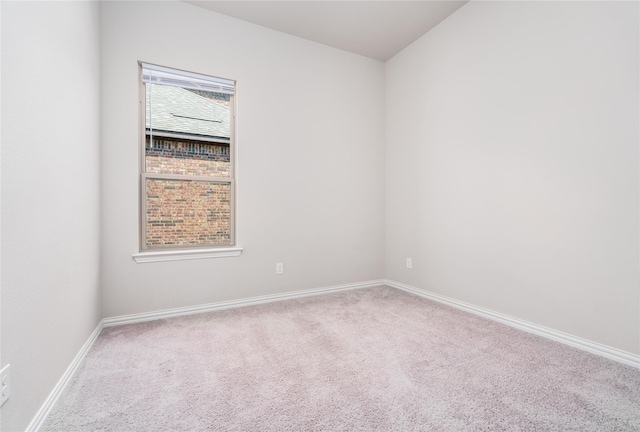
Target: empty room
(320,216)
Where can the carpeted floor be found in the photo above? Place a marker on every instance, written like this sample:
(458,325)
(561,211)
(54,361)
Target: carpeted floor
(365,360)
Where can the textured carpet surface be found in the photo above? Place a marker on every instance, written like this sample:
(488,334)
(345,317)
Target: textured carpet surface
(367,360)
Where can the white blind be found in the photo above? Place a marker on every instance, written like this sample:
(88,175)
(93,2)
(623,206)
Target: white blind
(166,76)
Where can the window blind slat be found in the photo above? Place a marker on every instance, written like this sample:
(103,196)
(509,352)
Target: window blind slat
(165,76)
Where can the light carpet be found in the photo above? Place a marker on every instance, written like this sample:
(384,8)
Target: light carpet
(373,359)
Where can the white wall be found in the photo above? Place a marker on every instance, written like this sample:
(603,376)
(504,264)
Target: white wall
(512,175)
(512,164)
(50,188)
(1,364)
(310,149)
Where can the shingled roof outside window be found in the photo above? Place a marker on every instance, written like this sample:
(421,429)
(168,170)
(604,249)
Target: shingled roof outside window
(180,111)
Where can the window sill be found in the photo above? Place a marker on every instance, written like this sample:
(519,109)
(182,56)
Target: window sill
(175,255)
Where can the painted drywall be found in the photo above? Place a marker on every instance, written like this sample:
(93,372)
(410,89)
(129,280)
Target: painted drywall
(50,187)
(512,164)
(310,147)
(1,364)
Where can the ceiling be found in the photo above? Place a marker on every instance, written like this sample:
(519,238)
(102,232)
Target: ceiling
(375,29)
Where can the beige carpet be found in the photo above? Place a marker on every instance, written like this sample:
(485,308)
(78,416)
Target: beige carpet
(365,360)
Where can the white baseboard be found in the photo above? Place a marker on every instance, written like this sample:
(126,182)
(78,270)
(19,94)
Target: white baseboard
(574,341)
(48,404)
(168,313)
(558,336)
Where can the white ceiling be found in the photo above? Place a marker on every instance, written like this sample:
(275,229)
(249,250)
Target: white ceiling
(376,29)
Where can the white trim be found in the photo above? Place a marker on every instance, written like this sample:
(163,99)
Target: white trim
(175,255)
(558,336)
(50,401)
(168,313)
(168,76)
(48,404)
(567,339)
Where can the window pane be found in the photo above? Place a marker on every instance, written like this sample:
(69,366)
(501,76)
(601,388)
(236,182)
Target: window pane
(187,213)
(187,131)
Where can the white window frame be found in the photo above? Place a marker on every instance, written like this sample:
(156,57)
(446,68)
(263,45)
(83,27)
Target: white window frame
(182,252)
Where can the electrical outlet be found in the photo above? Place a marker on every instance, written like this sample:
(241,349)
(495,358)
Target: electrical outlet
(279,268)
(409,263)
(5,381)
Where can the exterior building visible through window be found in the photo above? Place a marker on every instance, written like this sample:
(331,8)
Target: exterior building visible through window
(187,179)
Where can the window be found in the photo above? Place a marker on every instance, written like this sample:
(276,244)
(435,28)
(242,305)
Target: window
(187,165)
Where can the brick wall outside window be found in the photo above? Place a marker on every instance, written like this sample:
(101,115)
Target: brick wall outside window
(181,212)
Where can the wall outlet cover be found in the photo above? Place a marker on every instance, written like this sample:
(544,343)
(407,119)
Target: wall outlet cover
(5,382)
